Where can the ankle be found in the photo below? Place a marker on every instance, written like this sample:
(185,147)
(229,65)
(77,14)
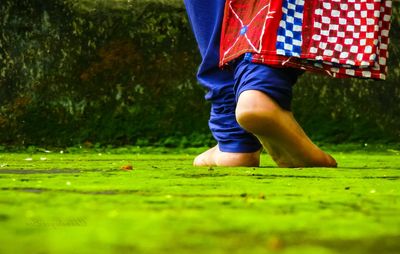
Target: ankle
(256,112)
(255,120)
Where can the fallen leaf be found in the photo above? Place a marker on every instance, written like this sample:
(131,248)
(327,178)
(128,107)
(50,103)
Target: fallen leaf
(127,167)
(274,243)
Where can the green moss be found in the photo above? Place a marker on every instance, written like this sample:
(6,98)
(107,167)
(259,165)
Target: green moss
(84,202)
(92,5)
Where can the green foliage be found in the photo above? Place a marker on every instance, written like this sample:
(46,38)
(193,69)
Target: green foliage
(123,72)
(83,70)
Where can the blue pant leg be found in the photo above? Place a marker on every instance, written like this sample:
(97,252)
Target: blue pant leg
(206,19)
(277,83)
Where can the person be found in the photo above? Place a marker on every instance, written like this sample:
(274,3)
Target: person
(250,103)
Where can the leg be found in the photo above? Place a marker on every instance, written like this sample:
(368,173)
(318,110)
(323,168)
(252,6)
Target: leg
(259,90)
(236,147)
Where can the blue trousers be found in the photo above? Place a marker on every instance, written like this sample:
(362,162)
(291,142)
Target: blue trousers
(225,85)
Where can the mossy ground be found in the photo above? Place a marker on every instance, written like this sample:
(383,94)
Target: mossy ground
(85,203)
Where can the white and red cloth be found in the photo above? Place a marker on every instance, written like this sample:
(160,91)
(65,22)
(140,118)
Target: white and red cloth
(341,38)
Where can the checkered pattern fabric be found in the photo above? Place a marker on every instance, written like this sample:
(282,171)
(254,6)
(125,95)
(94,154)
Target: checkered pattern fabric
(378,67)
(289,40)
(341,38)
(346,32)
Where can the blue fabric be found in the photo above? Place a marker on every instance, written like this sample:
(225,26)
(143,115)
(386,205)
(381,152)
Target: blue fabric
(289,39)
(276,82)
(225,85)
(206,17)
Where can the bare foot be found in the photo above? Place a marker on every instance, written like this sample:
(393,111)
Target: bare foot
(214,157)
(279,132)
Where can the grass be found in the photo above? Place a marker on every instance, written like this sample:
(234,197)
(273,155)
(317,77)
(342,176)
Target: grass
(84,203)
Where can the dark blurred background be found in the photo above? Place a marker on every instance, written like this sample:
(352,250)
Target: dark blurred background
(120,72)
